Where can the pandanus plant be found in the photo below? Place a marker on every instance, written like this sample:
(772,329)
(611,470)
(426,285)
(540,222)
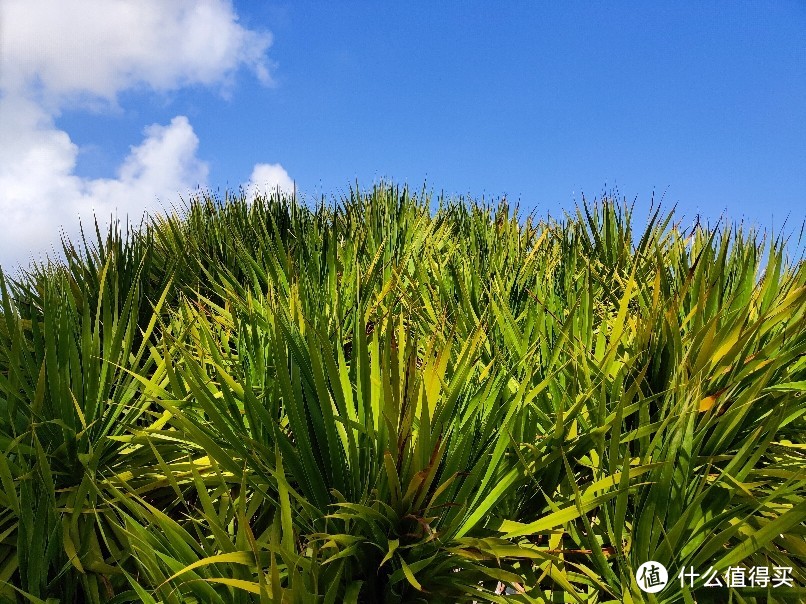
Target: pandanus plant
(395,399)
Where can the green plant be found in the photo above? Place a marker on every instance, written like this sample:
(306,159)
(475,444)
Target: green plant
(395,400)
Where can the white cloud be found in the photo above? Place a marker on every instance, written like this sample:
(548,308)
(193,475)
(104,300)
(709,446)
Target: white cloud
(73,49)
(266,178)
(162,165)
(83,53)
(39,193)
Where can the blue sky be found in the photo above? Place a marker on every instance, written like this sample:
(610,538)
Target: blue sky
(703,105)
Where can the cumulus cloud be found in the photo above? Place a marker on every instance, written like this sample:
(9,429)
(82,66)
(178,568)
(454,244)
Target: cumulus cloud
(74,49)
(39,193)
(267,178)
(164,163)
(83,53)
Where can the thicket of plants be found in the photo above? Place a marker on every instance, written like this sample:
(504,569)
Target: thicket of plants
(400,399)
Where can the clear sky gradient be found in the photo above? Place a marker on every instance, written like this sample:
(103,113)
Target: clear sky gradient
(703,104)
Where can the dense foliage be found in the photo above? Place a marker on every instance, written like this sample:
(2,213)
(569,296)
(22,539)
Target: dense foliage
(399,399)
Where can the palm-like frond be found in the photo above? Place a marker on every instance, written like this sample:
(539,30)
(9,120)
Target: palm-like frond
(397,400)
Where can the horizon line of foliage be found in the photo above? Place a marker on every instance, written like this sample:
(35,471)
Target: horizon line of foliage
(394,400)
